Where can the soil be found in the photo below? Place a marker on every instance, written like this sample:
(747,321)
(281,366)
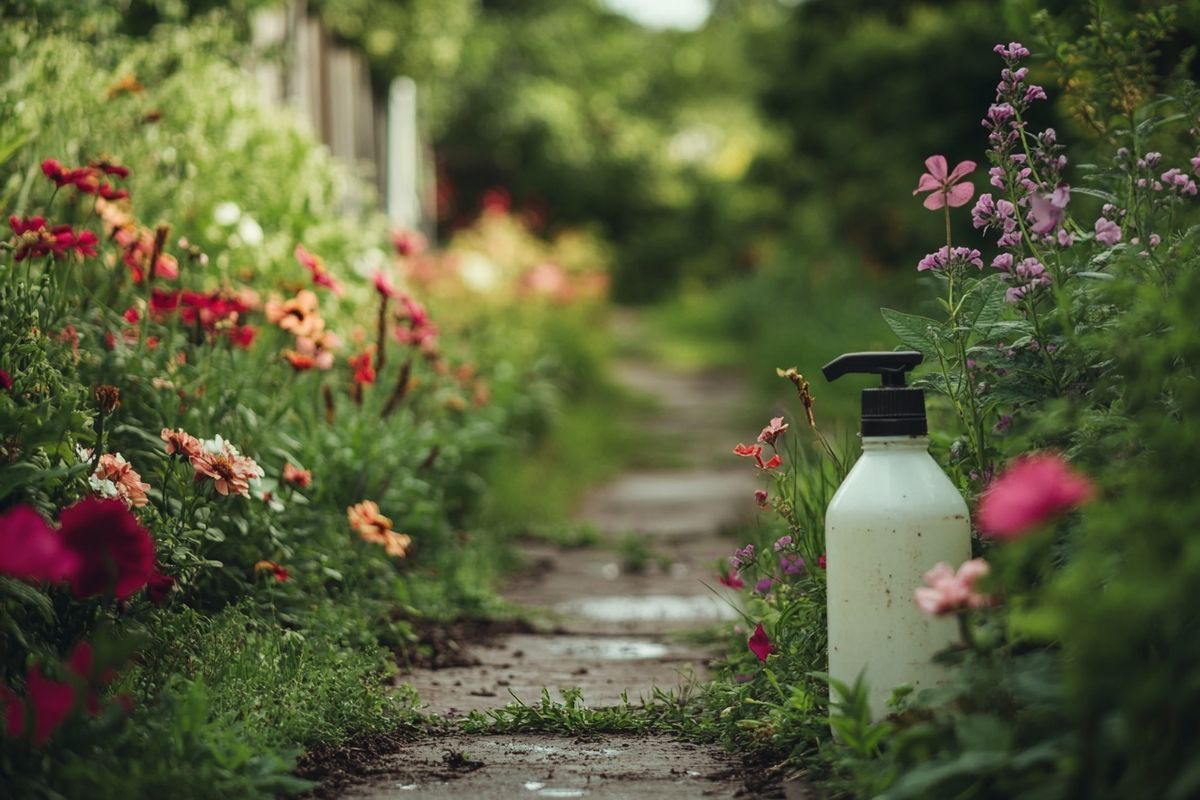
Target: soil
(616,627)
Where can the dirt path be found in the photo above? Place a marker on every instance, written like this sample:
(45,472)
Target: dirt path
(617,610)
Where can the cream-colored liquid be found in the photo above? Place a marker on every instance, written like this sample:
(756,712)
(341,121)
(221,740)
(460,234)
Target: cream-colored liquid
(894,517)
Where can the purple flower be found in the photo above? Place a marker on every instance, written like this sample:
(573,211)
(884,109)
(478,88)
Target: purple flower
(782,542)
(1004,423)
(1196,164)
(996,177)
(941,260)
(791,563)
(1003,262)
(1155,240)
(1065,238)
(764,586)
(1034,93)
(983,212)
(997,115)
(1014,51)
(1107,232)
(742,557)
(1179,182)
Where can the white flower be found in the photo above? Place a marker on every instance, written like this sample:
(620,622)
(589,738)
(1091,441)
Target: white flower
(227,213)
(250,232)
(103,486)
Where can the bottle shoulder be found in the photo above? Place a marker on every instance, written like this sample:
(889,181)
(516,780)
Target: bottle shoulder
(892,481)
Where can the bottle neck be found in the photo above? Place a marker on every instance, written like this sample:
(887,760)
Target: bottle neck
(874,443)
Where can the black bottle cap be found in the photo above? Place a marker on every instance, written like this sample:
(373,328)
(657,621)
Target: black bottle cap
(893,409)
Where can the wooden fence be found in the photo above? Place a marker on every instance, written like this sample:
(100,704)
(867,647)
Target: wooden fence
(329,84)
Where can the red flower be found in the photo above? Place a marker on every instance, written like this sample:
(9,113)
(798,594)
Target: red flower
(159,587)
(115,553)
(30,550)
(131,315)
(364,373)
(775,461)
(6,383)
(51,702)
(301,362)
(162,302)
(759,644)
(280,573)
(82,662)
(760,497)
(108,168)
(732,580)
(243,335)
(84,243)
(108,192)
(748,450)
(821,561)
(1034,489)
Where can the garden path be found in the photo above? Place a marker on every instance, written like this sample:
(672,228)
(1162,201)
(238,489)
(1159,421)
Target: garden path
(620,613)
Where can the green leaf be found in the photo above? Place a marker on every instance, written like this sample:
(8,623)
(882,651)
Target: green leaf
(913,331)
(1107,197)
(28,595)
(984,304)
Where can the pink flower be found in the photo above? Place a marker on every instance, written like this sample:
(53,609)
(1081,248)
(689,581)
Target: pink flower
(773,431)
(316,266)
(1048,210)
(759,644)
(383,284)
(948,592)
(944,187)
(30,550)
(115,554)
(760,497)
(179,441)
(1107,232)
(732,580)
(774,462)
(1033,490)
(764,585)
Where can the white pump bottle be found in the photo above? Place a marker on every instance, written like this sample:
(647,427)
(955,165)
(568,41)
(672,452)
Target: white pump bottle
(891,520)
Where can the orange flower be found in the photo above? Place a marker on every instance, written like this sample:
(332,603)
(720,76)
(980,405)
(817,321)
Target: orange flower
(368,522)
(300,478)
(299,361)
(300,315)
(229,469)
(372,526)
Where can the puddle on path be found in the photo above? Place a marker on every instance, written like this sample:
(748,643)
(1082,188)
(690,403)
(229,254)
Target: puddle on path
(605,648)
(649,608)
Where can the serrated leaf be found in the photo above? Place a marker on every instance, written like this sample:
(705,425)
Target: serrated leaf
(913,331)
(984,305)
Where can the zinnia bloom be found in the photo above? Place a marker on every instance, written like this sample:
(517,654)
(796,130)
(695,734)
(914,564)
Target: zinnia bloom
(372,526)
(30,550)
(179,441)
(230,470)
(129,485)
(1033,490)
(364,372)
(300,478)
(114,553)
(947,591)
(943,186)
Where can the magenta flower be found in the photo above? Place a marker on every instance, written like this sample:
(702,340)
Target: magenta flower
(760,497)
(732,580)
(944,187)
(1033,490)
(948,592)
(792,564)
(30,550)
(759,644)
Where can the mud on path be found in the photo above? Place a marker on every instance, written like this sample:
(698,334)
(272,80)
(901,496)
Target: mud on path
(611,631)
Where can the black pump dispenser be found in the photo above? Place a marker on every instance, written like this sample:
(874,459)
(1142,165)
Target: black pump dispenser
(893,409)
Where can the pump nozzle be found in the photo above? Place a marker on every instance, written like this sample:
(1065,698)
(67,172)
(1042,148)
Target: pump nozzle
(894,409)
(891,365)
